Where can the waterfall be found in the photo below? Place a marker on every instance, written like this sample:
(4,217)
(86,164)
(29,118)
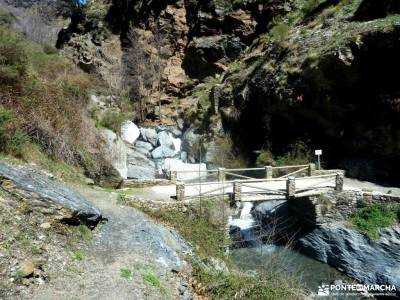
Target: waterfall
(245,222)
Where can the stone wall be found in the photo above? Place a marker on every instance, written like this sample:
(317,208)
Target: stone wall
(324,208)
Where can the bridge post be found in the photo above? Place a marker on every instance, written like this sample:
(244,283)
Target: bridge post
(268,172)
(291,187)
(311,169)
(339,182)
(173,175)
(221,174)
(180,191)
(237,190)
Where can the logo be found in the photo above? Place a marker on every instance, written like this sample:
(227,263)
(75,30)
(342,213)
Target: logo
(356,289)
(323,290)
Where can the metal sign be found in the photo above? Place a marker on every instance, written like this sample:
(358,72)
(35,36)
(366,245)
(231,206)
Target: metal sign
(318,153)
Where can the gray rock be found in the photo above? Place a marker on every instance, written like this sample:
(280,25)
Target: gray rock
(149,135)
(48,194)
(184,156)
(139,166)
(144,148)
(138,172)
(144,145)
(117,152)
(187,295)
(369,262)
(271,209)
(144,152)
(212,153)
(176,132)
(162,152)
(189,139)
(205,54)
(165,140)
(180,123)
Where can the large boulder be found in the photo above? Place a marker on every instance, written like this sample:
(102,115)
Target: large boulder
(129,132)
(139,166)
(144,147)
(149,135)
(48,195)
(117,152)
(163,152)
(368,261)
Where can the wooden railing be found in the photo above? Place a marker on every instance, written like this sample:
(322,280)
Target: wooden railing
(244,173)
(254,186)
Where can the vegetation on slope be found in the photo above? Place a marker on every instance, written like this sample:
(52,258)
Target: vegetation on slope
(214,274)
(43,100)
(371,218)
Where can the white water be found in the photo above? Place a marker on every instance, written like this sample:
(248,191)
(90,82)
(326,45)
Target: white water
(177,143)
(245,221)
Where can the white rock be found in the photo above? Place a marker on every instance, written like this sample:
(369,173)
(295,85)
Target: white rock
(129,132)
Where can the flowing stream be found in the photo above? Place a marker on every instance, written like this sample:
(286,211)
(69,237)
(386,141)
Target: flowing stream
(269,258)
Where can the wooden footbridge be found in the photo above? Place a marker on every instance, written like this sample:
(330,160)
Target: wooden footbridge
(259,184)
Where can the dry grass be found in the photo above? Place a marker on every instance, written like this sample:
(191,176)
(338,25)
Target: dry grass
(47,97)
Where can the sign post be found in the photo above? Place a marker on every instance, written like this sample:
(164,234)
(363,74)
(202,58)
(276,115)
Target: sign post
(318,153)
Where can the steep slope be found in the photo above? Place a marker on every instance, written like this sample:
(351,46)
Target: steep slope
(323,75)
(269,74)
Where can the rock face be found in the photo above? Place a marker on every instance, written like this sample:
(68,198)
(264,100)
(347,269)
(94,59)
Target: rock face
(370,262)
(209,55)
(325,81)
(139,166)
(48,195)
(117,151)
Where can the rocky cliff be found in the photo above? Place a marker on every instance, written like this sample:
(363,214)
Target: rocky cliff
(315,71)
(322,75)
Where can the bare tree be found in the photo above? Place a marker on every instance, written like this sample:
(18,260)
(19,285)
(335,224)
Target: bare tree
(159,43)
(143,66)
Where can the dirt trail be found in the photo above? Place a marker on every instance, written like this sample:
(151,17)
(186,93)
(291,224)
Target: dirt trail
(147,253)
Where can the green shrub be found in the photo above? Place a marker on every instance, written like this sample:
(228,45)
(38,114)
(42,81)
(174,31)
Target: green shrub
(5,18)
(237,285)
(310,5)
(202,225)
(126,273)
(297,154)
(265,158)
(13,57)
(113,120)
(49,49)
(12,139)
(369,219)
(226,155)
(280,32)
(153,280)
